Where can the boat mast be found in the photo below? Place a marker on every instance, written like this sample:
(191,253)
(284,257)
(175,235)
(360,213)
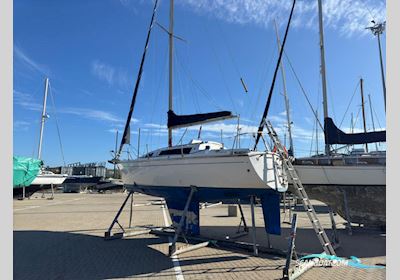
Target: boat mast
(44,117)
(116,147)
(363,110)
(323,68)
(171,48)
(316,131)
(372,118)
(289,123)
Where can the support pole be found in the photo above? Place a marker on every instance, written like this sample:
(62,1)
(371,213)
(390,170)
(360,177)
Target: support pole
(107,234)
(52,191)
(138,144)
(335,235)
(23,192)
(172,246)
(242,219)
(346,210)
(291,248)
(253,229)
(130,212)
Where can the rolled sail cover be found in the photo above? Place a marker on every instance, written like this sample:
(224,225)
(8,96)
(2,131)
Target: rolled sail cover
(176,121)
(334,135)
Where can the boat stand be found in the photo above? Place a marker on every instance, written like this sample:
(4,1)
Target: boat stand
(334,236)
(52,192)
(287,200)
(253,226)
(347,213)
(242,220)
(179,232)
(108,234)
(299,268)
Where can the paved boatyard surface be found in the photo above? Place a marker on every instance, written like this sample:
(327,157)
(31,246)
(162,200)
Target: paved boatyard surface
(63,239)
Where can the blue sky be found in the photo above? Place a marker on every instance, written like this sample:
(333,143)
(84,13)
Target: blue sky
(91,51)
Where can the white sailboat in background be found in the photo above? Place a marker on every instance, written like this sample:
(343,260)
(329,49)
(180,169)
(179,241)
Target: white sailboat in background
(45,177)
(354,184)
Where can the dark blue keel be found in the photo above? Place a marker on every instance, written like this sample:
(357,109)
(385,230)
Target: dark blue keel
(176,198)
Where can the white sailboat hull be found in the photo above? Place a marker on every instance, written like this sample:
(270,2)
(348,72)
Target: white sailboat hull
(348,175)
(251,170)
(355,192)
(48,179)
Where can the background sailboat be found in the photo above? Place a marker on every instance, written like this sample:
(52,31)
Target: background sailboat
(354,185)
(44,178)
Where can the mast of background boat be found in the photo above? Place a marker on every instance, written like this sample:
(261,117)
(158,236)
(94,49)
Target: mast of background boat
(372,119)
(171,48)
(323,70)
(363,110)
(316,132)
(289,124)
(116,147)
(44,117)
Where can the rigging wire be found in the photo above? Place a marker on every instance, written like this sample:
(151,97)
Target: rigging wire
(220,70)
(377,119)
(230,54)
(194,96)
(208,96)
(58,129)
(264,73)
(358,113)
(312,138)
(302,90)
(348,106)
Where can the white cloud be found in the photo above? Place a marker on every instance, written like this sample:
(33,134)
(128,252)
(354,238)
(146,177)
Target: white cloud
(347,16)
(111,75)
(21,56)
(21,125)
(26,100)
(92,114)
(103,71)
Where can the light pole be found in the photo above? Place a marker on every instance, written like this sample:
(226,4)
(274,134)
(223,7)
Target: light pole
(377,29)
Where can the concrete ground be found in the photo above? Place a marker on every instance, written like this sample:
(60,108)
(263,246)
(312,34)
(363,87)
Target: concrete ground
(63,239)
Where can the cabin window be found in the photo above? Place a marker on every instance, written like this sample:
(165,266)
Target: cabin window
(207,147)
(175,151)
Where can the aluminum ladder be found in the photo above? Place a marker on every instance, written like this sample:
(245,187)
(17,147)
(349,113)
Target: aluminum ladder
(298,186)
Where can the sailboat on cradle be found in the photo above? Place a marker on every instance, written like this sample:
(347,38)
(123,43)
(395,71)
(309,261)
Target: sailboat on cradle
(218,173)
(46,178)
(354,184)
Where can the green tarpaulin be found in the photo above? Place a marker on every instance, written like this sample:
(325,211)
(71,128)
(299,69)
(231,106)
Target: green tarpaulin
(25,171)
